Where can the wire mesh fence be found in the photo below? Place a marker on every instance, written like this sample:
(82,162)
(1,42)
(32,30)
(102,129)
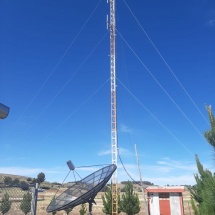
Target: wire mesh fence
(16,200)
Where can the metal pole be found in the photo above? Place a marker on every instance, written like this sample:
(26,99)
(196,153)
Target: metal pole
(141,182)
(35,198)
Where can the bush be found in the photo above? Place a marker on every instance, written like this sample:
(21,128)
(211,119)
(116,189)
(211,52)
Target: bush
(15,181)
(56,183)
(7,180)
(24,185)
(5,204)
(25,205)
(45,187)
(130,203)
(29,179)
(83,209)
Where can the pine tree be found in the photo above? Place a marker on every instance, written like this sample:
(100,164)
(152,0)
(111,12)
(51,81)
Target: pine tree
(5,204)
(83,209)
(203,193)
(130,203)
(107,201)
(25,205)
(210,135)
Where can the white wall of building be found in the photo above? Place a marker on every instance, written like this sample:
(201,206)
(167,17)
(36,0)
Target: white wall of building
(175,205)
(154,204)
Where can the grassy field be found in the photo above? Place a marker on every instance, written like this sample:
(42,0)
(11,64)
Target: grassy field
(45,198)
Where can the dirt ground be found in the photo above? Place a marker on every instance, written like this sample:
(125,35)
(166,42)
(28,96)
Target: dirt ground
(44,198)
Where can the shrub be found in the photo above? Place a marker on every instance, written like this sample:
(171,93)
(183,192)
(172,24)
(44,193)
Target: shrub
(25,205)
(24,185)
(5,204)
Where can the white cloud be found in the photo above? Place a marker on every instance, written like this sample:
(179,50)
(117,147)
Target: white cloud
(125,129)
(122,151)
(23,171)
(107,152)
(162,172)
(90,169)
(173,180)
(178,165)
(125,152)
(51,173)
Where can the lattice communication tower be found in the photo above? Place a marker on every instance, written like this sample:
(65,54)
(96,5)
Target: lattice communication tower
(114,143)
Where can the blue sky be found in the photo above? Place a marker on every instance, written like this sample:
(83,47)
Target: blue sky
(54,76)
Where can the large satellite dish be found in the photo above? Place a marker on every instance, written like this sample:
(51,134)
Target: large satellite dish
(83,191)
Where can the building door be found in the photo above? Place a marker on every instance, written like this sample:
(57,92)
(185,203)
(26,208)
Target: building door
(164,204)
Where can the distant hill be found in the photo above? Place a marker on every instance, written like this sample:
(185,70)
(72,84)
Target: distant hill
(21,178)
(56,185)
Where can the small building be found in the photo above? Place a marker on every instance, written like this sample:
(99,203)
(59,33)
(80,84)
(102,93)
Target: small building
(165,200)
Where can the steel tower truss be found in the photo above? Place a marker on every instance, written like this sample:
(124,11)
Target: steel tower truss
(113,105)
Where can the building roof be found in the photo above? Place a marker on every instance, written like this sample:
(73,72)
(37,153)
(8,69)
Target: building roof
(168,189)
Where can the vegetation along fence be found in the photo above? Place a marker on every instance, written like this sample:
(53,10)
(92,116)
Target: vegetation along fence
(18,200)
